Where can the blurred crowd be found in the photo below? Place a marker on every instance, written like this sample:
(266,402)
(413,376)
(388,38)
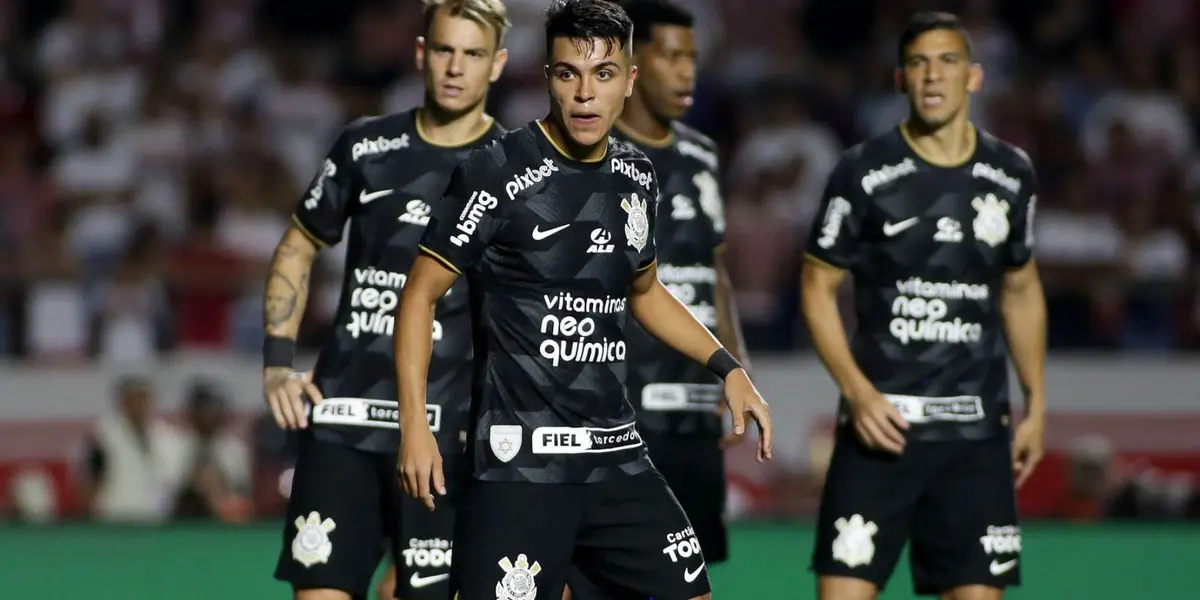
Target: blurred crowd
(151,151)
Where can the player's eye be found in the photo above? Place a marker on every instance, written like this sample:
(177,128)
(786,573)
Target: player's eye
(475,53)
(604,75)
(564,75)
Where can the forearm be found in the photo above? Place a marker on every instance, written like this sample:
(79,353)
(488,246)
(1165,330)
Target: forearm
(729,326)
(829,338)
(666,318)
(1024,313)
(414,345)
(287,285)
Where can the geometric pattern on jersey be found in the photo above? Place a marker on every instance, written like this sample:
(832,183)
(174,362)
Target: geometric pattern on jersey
(379,184)
(928,247)
(684,394)
(550,247)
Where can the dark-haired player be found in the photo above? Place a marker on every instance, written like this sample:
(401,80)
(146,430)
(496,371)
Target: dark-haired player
(553,227)
(382,178)
(677,398)
(934,222)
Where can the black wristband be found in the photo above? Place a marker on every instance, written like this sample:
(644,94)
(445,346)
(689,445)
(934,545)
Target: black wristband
(722,363)
(278,352)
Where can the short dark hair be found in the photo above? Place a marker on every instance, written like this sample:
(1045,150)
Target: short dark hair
(588,20)
(645,14)
(923,22)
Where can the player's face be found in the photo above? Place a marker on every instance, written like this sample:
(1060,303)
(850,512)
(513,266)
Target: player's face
(589,82)
(460,60)
(938,75)
(667,69)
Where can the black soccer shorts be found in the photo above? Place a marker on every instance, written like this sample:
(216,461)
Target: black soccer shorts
(518,540)
(345,509)
(955,500)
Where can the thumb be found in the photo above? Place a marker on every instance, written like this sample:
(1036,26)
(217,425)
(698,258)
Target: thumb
(739,421)
(439,478)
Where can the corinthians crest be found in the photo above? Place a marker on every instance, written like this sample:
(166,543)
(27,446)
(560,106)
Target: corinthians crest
(991,222)
(637,226)
(518,583)
(311,544)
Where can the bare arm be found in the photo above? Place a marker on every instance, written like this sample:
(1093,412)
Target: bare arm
(818,293)
(427,282)
(287,283)
(1023,305)
(729,326)
(667,319)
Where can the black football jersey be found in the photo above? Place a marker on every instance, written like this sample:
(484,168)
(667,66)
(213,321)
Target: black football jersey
(551,247)
(674,394)
(383,179)
(928,247)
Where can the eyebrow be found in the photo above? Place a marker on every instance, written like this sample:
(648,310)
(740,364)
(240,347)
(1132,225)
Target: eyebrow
(446,46)
(608,64)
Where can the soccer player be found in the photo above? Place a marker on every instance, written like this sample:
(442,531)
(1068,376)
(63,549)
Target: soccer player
(553,227)
(381,179)
(678,399)
(934,222)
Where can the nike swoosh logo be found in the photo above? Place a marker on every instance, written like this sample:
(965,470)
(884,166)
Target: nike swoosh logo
(890,229)
(1000,568)
(365,198)
(418,582)
(690,576)
(541,235)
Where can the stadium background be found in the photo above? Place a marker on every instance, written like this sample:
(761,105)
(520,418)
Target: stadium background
(150,151)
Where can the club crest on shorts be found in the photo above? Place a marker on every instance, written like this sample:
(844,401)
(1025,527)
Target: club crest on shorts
(505,441)
(518,583)
(311,544)
(853,544)
(637,226)
(991,222)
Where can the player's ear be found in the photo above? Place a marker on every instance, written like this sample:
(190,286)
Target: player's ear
(975,78)
(498,62)
(420,54)
(633,73)
(898,80)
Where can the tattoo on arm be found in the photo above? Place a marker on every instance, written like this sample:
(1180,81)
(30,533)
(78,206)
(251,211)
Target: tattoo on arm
(287,289)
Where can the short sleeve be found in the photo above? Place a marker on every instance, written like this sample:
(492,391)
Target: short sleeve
(835,236)
(1019,248)
(325,207)
(467,218)
(649,251)
(712,202)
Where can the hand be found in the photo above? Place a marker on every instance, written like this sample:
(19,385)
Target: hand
(730,439)
(284,390)
(742,398)
(877,422)
(420,463)
(1028,447)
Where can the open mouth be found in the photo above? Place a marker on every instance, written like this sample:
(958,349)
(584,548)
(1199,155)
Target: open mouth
(685,98)
(932,99)
(585,118)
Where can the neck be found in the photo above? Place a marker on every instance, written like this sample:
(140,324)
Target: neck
(639,120)
(574,151)
(950,144)
(440,128)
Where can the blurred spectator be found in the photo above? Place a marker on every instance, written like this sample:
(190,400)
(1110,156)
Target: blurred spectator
(134,461)
(131,312)
(217,478)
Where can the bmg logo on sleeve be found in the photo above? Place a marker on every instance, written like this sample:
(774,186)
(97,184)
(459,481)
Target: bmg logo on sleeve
(472,214)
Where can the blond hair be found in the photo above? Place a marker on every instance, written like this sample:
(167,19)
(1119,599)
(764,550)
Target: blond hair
(491,14)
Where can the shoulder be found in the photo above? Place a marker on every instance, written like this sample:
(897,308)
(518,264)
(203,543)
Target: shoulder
(393,123)
(875,162)
(691,142)
(626,159)
(1004,154)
